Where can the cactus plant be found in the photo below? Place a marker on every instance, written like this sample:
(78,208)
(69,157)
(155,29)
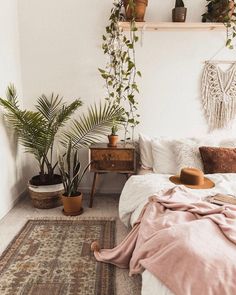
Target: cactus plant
(179,3)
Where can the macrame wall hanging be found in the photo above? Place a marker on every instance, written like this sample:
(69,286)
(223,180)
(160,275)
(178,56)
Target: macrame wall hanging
(219,94)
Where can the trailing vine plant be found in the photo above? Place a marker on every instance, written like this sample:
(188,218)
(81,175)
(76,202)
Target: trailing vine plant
(120,72)
(222,11)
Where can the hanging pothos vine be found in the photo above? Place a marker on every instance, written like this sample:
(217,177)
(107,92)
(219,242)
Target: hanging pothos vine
(120,72)
(222,11)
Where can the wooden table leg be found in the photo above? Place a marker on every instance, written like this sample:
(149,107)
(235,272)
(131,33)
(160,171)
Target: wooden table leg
(93,189)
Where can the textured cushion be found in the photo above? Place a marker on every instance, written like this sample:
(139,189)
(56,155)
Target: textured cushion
(187,154)
(145,151)
(218,160)
(164,160)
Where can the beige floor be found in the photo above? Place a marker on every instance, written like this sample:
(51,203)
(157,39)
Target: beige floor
(105,206)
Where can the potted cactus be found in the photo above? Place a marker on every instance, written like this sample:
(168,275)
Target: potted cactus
(179,12)
(113,137)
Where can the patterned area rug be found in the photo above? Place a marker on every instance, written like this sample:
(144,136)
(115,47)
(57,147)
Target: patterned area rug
(53,257)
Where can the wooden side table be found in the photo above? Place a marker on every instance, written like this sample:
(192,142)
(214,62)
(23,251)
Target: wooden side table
(104,159)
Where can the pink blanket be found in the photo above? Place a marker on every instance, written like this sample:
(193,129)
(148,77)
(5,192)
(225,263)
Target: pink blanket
(189,246)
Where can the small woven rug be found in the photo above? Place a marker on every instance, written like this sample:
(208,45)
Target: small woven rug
(53,257)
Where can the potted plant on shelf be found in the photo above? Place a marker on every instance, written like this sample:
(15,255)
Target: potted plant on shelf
(179,12)
(113,137)
(135,9)
(70,170)
(39,131)
(222,11)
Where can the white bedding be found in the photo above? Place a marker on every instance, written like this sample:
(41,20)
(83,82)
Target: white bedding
(135,194)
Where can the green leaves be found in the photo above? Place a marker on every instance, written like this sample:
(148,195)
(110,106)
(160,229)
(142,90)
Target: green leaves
(94,125)
(70,170)
(222,11)
(37,130)
(120,72)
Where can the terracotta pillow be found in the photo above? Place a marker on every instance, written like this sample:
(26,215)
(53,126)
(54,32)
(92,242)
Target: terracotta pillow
(218,160)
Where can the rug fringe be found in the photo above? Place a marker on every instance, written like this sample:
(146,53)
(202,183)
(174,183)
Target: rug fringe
(72,218)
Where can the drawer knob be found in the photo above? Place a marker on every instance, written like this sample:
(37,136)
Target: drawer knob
(113,165)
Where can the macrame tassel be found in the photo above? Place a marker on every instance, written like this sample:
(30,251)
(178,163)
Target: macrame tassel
(219,96)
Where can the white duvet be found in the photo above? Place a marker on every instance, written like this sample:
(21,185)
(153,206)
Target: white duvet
(135,194)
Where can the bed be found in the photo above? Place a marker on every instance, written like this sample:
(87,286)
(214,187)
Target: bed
(135,195)
(161,214)
(161,158)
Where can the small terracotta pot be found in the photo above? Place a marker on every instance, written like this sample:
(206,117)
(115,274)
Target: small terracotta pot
(72,205)
(179,14)
(139,10)
(113,139)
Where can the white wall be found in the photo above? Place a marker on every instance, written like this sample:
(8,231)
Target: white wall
(61,51)
(11,177)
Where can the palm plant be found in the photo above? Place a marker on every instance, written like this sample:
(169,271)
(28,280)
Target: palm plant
(92,127)
(38,130)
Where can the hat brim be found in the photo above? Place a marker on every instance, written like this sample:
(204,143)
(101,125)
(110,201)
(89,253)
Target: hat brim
(207,183)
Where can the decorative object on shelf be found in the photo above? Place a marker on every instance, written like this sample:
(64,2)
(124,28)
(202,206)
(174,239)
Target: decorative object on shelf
(38,131)
(222,11)
(219,94)
(113,137)
(179,12)
(120,73)
(135,9)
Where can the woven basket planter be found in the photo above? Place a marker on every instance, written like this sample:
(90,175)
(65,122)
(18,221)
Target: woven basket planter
(46,196)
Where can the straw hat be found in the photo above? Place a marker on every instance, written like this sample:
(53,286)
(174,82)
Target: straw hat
(192,178)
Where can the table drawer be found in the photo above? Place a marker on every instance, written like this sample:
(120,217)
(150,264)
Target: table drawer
(112,155)
(118,166)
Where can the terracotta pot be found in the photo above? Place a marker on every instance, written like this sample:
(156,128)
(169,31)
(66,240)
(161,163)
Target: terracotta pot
(113,139)
(139,10)
(179,14)
(72,205)
(46,196)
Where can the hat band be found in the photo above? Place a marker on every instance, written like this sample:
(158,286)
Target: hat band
(191,179)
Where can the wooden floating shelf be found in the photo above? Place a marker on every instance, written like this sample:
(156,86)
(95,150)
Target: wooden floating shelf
(171,26)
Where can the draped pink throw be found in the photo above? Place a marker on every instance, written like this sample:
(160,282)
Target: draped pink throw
(190,247)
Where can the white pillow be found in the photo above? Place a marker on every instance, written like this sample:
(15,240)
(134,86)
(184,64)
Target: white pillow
(228,143)
(187,154)
(164,160)
(145,151)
